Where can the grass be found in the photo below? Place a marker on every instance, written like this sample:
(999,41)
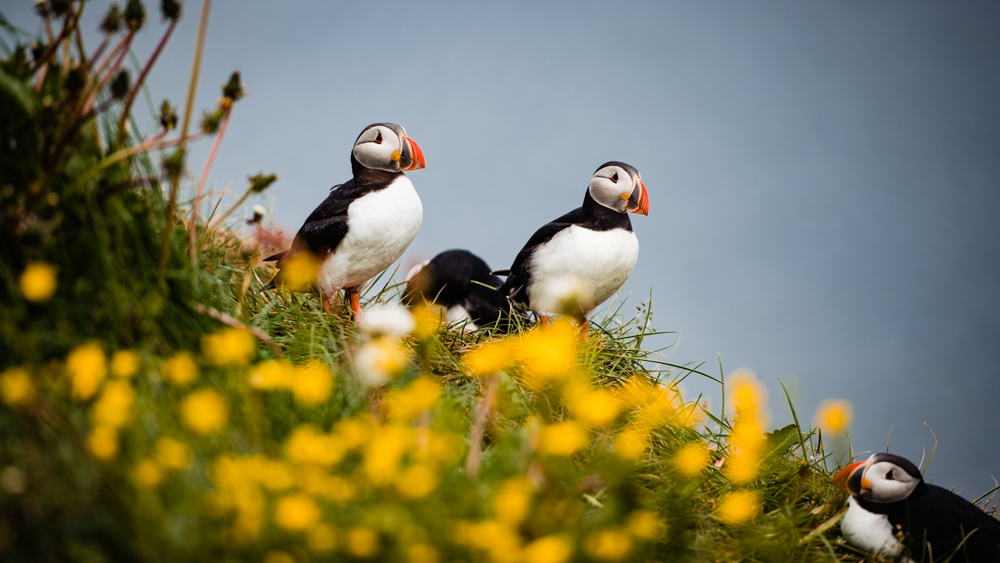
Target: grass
(474,446)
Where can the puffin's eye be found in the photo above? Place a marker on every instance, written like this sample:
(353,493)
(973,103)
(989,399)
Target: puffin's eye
(615,178)
(889,476)
(378,138)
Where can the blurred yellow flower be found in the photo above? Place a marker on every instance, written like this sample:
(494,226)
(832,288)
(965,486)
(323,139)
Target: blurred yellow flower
(361,543)
(204,411)
(630,444)
(322,539)
(272,374)
(297,512)
(86,367)
(550,352)
(307,444)
(738,508)
(834,416)
(416,481)
(171,454)
(299,273)
(408,403)
(353,432)
(275,556)
(692,459)
(38,282)
(384,452)
(124,363)
(180,369)
(422,553)
(228,347)
(428,320)
(114,407)
(746,441)
(102,443)
(549,549)
(748,396)
(562,438)
(312,383)
(591,406)
(513,500)
(489,358)
(148,473)
(380,359)
(644,524)
(16,386)
(607,545)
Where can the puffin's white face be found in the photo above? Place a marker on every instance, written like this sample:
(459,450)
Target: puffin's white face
(617,186)
(385,146)
(882,478)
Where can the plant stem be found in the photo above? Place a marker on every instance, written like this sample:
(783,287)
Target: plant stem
(142,75)
(201,184)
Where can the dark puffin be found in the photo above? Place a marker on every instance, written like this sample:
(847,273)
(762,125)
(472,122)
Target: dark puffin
(588,252)
(461,283)
(892,511)
(366,223)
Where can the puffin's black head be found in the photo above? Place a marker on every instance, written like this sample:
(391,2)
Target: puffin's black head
(881,478)
(617,186)
(385,146)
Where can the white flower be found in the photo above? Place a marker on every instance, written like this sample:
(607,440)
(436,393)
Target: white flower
(389,319)
(569,296)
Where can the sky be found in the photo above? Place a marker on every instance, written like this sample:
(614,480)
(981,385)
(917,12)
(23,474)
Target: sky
(824,178)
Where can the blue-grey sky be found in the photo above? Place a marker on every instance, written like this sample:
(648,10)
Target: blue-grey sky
(824,178)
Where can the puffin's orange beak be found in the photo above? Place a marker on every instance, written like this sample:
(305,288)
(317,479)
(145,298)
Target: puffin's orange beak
(638,201)
(411,157)
(851,478)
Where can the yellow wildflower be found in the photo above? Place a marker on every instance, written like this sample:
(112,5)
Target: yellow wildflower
(562,438)
(322,539)
(408,403)
(550,352)
(607,545)
(299,273)
(87,367)
(272,374)
(692,459)
(308,445)
(748,396)
(549,549)
(489,358)
(38,282)
(644,524)
(312,383)
(228,347)
(102,443)
(746,439)
(834,416)
(428,320)
(180,369)
(593,407)
(422,553)
(417,481)
(204,411)
(738,508)
(631,443)
(361,543)
(148,473)
(171,454)
(114,407)
(513,500)
(339,489)
(353,432)
(384,452)
(296,512)
(16,386)
(124,363)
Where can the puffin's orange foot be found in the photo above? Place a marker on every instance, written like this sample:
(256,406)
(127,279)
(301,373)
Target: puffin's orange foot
(584,330)
(355,305)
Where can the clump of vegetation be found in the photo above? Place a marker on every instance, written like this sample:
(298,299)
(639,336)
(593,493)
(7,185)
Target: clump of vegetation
(157,406)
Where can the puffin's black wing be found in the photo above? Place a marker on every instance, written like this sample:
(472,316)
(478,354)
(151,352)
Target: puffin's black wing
(519,275)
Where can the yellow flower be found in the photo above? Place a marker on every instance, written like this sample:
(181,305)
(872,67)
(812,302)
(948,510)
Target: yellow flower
(296,512)
(380,359)
(607,545)
(384,452)
(562,438)
(408,403)
(114,407)
(308,445)
(180,369)
(103,443)
(489,358)
(322,539)
(746,441)
(312,383)
(87,367)
(272,374)
(417,481)
(549,549)
(171,454)
(631,443)
(422,553)
(513,500)
(38,282)
(593,407)
(16,386)
(748,396)
(228,347)
(428,320)
(738,508)
(299,273)
(550,352)
(644,524)
(361,543)
(353,432)
(148,473)
(834,415)
(692,459)
(124,363)
(204,411)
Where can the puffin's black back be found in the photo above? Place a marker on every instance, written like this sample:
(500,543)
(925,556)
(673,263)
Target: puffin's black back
(454,277)
(936,516)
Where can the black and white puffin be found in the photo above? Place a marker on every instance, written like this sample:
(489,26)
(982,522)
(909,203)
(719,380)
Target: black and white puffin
(588,252)
(892,511)
(366,223)
(461,283)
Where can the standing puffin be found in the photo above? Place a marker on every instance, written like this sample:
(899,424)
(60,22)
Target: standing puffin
(892,511)
(366,223)
(461,283)
(590,251)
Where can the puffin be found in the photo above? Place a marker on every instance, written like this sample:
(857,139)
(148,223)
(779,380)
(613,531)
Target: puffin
(366,223)
(576,262)
(461,283)
(892,511)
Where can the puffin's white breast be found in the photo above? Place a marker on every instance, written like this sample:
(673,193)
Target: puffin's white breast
(380,226)
(869,531)
(599,261)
